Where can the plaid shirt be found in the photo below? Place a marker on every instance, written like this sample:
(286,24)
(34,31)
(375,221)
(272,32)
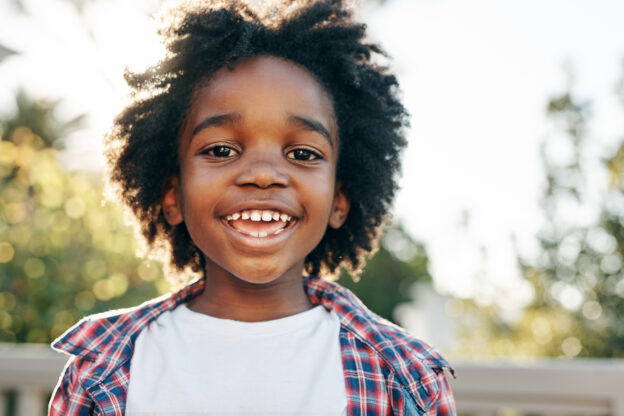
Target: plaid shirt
(386,371)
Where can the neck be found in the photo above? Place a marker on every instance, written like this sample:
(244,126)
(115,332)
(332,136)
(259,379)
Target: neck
(229,297)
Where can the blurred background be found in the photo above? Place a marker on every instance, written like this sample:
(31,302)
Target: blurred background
(508,233)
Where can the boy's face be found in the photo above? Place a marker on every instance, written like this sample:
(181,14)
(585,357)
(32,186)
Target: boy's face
(258,157)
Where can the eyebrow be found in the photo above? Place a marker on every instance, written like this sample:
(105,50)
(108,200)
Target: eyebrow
(312,125)
(216,120)
(232,118)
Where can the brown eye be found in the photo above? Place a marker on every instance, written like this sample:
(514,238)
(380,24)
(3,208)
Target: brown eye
(220,151)
(303,155)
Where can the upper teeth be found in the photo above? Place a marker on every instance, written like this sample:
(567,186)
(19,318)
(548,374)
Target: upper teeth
(259,215)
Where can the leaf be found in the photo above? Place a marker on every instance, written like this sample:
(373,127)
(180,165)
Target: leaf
(6,52)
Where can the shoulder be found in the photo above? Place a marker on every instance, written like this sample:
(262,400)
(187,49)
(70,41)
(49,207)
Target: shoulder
(414,361)
(420,370)
(93,333)
(97,333)
(402,348)
(384,336)
(417,366)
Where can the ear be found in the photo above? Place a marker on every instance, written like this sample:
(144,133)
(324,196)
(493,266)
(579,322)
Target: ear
(172,209)
(340,209)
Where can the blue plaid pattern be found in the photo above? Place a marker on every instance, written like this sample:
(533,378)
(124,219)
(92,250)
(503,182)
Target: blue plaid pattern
(387,372)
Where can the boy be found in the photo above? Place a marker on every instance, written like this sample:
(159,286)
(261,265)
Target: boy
(259,154)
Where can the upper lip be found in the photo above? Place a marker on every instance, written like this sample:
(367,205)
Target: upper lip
(261,205)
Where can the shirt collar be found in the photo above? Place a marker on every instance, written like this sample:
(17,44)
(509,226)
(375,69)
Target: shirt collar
(93,335)
(107,340)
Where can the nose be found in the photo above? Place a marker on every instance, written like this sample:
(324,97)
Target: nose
(262,173)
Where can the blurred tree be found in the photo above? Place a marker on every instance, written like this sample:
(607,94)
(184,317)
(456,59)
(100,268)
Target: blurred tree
(63,252)
(38,116)
(578,308)
(578,276)
(386,280)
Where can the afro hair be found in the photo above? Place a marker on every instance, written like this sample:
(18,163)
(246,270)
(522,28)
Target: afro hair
(320,36)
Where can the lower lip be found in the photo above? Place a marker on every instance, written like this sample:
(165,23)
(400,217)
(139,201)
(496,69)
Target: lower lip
(258,244)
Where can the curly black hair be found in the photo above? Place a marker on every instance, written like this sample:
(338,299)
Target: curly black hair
(320,36)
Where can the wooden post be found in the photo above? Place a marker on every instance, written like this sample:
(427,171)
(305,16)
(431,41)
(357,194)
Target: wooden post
(618,405)
(29,402)
(3,403)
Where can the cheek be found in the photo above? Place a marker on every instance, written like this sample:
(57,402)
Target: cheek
(199,189)
(319,191)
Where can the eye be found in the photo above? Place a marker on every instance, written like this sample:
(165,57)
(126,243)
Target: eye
(305,155)
(219,151)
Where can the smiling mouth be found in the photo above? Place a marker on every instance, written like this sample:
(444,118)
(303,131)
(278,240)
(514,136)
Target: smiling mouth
(259,223)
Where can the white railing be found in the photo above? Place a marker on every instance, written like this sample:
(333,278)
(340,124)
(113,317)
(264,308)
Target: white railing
(544,387)
(31,371)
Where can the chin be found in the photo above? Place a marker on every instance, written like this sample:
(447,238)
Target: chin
(259,281)
(256,274)
(259,275)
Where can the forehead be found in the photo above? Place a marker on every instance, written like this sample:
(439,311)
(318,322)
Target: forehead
(267,82)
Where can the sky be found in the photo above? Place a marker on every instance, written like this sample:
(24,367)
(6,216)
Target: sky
(475,75)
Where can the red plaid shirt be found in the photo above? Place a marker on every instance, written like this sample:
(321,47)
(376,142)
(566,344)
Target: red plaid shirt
(387,372)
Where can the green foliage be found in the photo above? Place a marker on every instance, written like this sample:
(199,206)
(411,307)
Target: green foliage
(578,279)
(389,275)
(39,117)
(578,275)
(64,253)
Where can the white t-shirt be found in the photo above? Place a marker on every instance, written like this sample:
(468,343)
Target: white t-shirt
(188,363)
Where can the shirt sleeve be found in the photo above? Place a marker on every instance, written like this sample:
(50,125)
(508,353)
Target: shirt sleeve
(69,397)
